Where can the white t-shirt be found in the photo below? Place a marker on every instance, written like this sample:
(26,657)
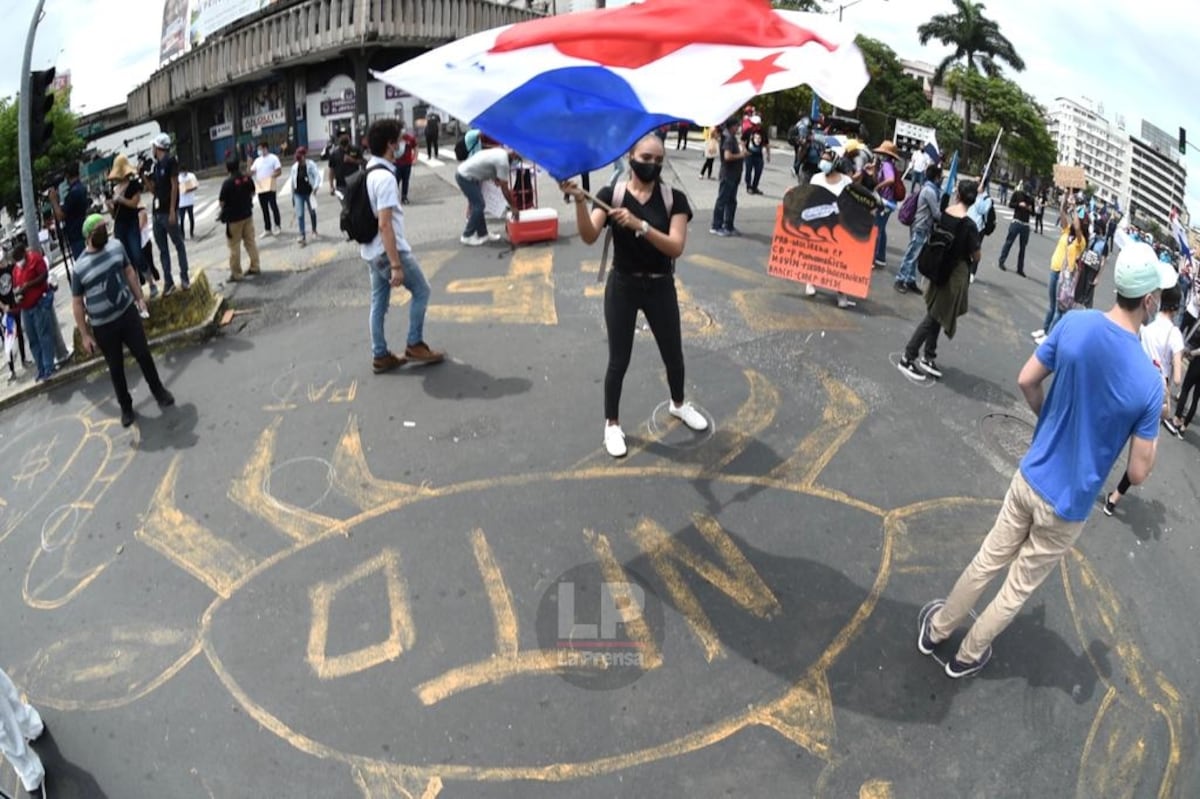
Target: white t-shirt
(489,164)
(1161,340)
(843,181)
(188,198)
(383,192)
(264,169)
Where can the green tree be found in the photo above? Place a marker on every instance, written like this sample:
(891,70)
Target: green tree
(65,146)
(1000,103)
(977,44)
(890,94)
(947,124)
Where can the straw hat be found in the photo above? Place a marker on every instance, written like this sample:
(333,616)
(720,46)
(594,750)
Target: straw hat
(121,168)
(887,148)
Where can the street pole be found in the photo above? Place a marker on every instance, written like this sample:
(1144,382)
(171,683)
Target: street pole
(24,146)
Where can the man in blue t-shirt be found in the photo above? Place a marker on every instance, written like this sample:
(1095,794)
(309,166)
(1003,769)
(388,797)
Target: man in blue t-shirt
(1105,391)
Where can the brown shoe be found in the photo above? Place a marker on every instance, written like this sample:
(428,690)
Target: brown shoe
(420,353)
(387,363)
(253,271)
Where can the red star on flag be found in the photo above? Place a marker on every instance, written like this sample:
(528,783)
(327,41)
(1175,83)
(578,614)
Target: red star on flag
(757,72)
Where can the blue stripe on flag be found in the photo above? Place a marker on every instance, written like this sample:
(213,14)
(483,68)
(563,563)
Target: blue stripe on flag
(596,118)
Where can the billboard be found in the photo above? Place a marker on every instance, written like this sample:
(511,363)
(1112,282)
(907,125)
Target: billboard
(187,23)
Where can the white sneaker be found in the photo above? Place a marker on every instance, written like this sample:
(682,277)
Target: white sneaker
(688,414)
(265,234)
(471,241)
(972,278)
(614,440)
(1039,339)
(845,302)
(493,237)
(810,290)
(1038,332)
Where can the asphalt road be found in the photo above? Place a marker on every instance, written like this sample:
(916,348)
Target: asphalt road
(307,580)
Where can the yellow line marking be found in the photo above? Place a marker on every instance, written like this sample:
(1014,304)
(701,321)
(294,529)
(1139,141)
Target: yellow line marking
(767,311)
(755,415)
(249,493)
(736,578)
(844,411)
(618,582)
(499,597)
(1139,692)
(804,715)
(353,477)
(524,295)
(732,270)
(876,789)
(401,634)
(179,538)
(490,672)
(389,783)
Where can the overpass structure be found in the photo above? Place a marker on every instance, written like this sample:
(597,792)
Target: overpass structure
(298,70)
(103,122)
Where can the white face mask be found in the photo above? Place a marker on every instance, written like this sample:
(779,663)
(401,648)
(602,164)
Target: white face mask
(825,166)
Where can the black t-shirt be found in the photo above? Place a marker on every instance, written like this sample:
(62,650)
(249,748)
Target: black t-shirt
(123,215)
(237,195)
(967,240)
(166,175)
(1021,214)
(303,185)
(632,253)
(730,170)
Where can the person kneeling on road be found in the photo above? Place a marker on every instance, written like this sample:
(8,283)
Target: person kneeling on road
(105,288)
(491,164)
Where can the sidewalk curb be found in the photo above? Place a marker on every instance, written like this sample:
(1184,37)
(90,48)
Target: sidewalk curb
(195,334)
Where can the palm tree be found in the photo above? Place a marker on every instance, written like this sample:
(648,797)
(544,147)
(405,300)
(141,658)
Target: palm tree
(977,42)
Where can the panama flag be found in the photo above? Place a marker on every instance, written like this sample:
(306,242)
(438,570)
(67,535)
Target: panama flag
(1180,234)
(574,92)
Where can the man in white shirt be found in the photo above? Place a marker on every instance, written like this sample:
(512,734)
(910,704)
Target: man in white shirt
(489,164)
(265,169)
(389,256)
(187,199)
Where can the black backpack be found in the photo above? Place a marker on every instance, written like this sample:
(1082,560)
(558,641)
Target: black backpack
(358,220)
(460,148)
(939,255)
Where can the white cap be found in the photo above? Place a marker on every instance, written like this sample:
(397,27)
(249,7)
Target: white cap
(162,141)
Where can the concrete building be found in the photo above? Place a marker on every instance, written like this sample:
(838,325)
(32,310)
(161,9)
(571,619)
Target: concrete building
(1085,138)
(1157,174)
(294,71)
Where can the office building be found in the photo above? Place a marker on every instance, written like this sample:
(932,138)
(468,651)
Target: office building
(1085,138)
(1157,174)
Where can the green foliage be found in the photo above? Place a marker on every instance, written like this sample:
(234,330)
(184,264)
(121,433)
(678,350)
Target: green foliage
(890,93)
(976,43)
(947,124)
(1154,229)
(65,146)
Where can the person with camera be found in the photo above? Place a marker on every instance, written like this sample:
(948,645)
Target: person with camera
(33,297)
(109,308)
(124,204)
(165,182)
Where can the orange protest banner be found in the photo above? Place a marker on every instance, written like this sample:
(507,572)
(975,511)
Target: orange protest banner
(825,239)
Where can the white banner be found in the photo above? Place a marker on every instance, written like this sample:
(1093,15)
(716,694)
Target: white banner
(209,16)
(264,119)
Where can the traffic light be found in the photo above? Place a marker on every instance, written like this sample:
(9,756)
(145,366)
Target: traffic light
(1183,141)
(41,130)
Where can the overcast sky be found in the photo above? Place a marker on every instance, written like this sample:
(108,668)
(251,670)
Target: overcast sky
(1132,57)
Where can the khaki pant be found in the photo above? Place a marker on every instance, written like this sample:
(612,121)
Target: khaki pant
(1029,539)
(241,233)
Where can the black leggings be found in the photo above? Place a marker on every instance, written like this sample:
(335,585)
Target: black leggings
(1124,486)
(112,338)
(624,296)
(1190,386)
(706,170)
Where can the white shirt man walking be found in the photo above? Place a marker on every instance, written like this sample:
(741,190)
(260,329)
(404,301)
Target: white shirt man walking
(266,168)
(1105,392)
(389,256)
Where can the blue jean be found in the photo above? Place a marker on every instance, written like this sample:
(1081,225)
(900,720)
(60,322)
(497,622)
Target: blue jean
(881,220)
(381,297)
(1050,314)
(908,265)
(131,239)
(163,231)
(726,206)
(473,191)
(754,170)
(38,323)
(300,202)
(1015,230)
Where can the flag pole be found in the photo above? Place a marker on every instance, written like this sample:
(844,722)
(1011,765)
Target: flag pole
(988,168)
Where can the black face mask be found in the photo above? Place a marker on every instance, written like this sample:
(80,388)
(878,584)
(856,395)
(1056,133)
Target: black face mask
(646,172)
(100,238)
